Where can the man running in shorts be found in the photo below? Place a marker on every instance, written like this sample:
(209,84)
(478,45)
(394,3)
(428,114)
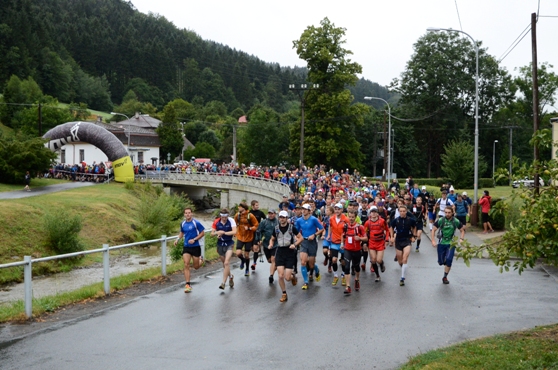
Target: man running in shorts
(225,230)
(265,230)
(247,224)
(353,234)
(419,211)
(336,223)
(403,233)
(376,228)
(447,224)
(309,229)
(192,231)
(284,240)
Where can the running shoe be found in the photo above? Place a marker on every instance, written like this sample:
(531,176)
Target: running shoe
(417,250)
(231,281)
(362,267)
(402,282)
(383,268)
(318,277)
(343,281)
(246,273)
(378,279)
(242,264)
(284,298)
(347,290)
(253,267)
(329,270)
(305,286)
(335,280)
(271,279)
(222,286)
(294,280)
(357,285)
(187,288)
(445,280)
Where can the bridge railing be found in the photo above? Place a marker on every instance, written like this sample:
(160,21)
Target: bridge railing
(218,178)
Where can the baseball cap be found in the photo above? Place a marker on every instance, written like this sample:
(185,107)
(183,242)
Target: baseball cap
(464,193)
(338,205)
(298,205)
(373,209)
(283,214)
(424,188)
(271,211)
(306,206)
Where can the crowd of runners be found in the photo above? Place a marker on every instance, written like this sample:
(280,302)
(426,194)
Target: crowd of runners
(353,219)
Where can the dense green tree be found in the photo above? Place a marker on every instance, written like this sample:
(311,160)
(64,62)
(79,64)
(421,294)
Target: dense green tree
(458,163)
(193,130)
(265,140)
(438,91)
(170,133)
(331,120)
(210,136)
(27,120)
(20,153)
(202,150)
(19,94)
(145,92)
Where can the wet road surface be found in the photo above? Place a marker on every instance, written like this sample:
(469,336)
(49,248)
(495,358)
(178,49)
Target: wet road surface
(247,328)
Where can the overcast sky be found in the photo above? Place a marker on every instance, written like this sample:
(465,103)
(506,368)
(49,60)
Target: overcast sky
(380,34)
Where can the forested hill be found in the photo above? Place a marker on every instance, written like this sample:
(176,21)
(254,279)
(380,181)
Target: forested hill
(94,51)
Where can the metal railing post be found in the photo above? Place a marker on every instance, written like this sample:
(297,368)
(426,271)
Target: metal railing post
(106,268)
(28,286)
(164,255)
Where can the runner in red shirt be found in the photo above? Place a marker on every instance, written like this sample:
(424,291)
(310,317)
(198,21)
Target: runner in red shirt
(377,230)
(353,234)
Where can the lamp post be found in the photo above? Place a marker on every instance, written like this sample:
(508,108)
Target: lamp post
(300,91)
(493,159)
(388,169)
(476,180)
(128,130)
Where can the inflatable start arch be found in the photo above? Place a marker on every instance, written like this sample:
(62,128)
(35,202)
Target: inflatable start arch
(73,132)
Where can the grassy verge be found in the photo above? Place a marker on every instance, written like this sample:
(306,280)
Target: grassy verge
(531,349)
(15,311)
(35,183)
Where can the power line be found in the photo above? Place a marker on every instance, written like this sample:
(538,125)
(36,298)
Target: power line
(514,44)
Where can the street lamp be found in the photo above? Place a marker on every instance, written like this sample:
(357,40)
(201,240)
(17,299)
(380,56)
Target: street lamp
(128,118)
(493,159)
(476,183)
(388,169)
(300,91)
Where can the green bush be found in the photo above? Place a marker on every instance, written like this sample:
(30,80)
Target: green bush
(157,216)
(62,232)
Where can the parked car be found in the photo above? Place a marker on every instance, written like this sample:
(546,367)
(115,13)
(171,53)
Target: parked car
(527,183)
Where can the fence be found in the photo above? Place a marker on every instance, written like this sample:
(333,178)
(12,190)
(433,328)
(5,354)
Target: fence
(28,262)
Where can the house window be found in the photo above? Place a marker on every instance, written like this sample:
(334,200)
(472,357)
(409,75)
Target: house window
(63,156)
(82,155)
(140,157)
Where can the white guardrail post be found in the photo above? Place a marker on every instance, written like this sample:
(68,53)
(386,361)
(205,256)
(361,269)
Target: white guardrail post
(28,286)
(164,255)
(106,268)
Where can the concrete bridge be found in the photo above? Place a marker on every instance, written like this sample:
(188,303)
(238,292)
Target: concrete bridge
(234,188)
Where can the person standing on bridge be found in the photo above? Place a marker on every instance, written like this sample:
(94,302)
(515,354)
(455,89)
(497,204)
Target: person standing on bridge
(192,231)
(285,239)
(225,229)
(247,224)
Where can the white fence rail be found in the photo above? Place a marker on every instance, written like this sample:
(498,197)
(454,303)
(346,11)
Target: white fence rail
(28,262)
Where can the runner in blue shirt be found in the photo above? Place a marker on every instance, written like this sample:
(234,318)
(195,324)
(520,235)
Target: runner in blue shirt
(192,231)
(309,228)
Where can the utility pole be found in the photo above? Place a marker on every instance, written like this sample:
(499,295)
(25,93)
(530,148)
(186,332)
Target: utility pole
(300,91)
(535,96)
(384,176)
(511,157)
(40,120)
(234,144)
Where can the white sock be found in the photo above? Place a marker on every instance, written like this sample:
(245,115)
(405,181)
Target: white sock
(430,225)
(403,268)
(335,275)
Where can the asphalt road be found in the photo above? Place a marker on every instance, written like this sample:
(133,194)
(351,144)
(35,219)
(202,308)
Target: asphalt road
(247,328)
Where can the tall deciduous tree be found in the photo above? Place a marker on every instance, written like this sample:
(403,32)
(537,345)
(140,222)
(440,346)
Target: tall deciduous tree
(439,84)
(458,163)
(331,120)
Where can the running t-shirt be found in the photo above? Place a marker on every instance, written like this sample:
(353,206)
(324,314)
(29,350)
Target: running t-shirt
(403,227)
(226,227)
(448,228)
(191,230)
(351,231)
(308,226)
